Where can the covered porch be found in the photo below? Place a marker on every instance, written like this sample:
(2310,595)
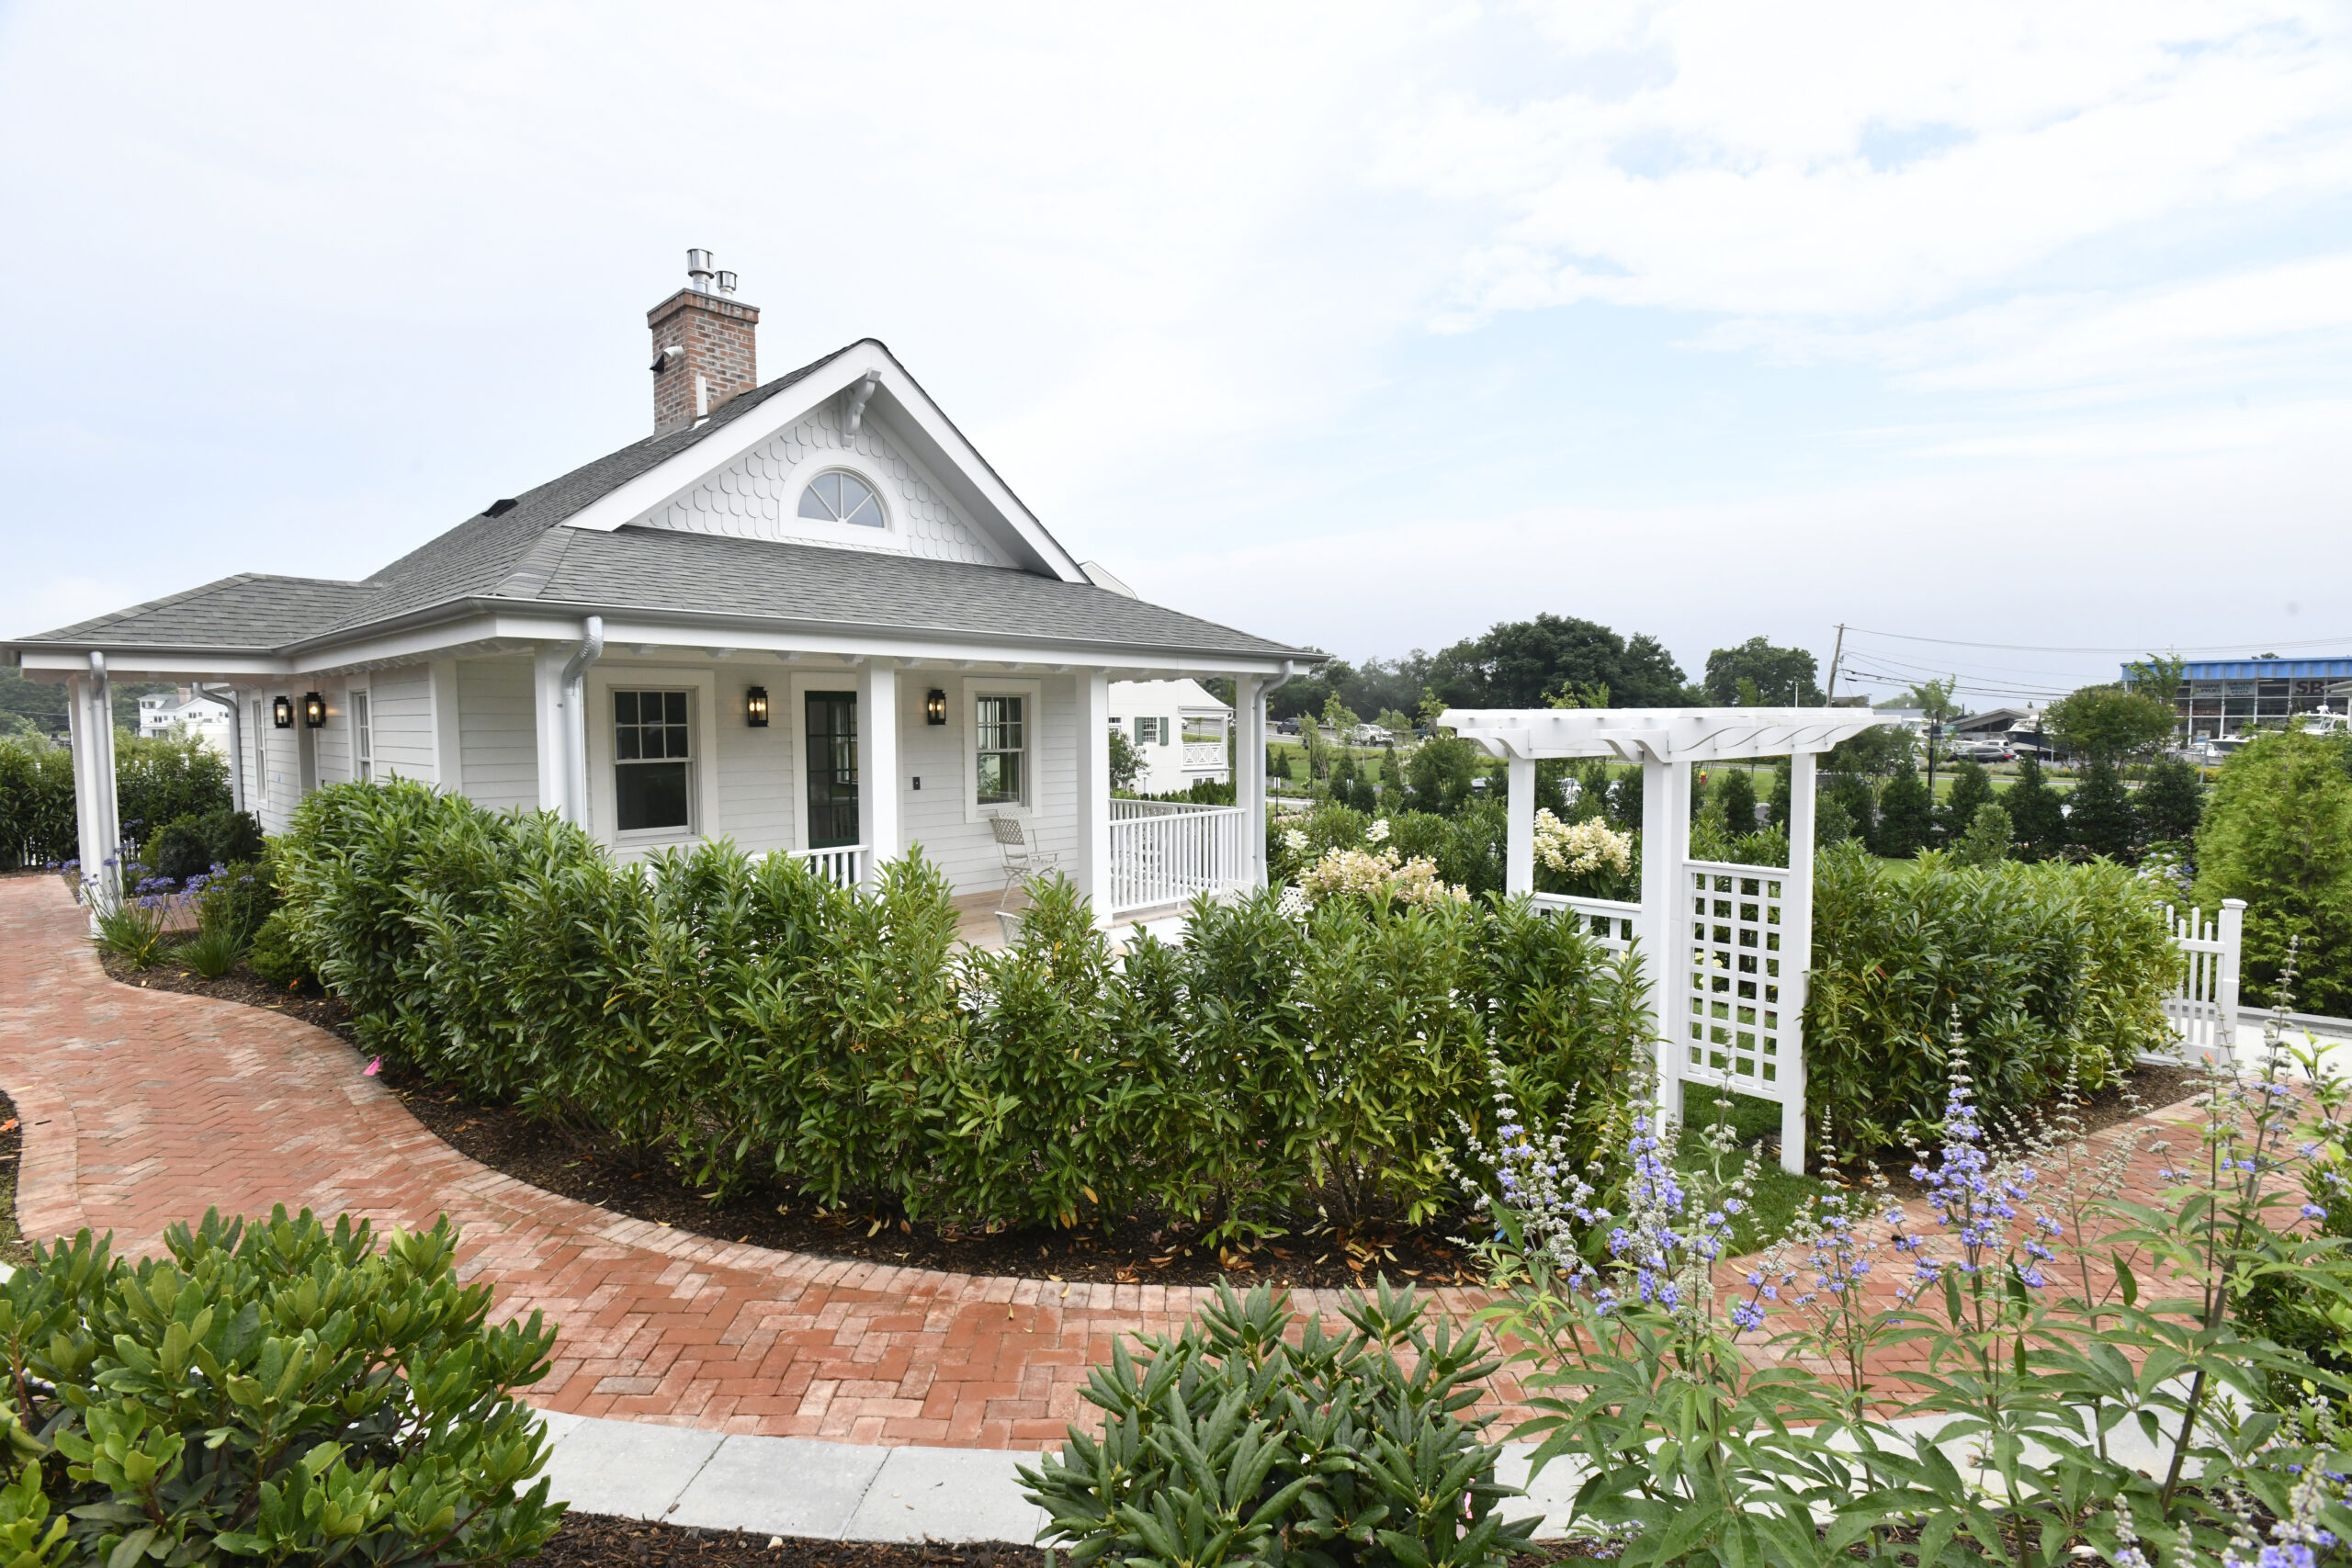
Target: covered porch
(848,751)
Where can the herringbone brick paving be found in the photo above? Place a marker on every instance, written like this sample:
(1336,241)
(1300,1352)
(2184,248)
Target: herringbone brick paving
(145,1107)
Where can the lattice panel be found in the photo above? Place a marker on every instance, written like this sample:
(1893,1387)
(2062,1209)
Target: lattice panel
(1739,1035)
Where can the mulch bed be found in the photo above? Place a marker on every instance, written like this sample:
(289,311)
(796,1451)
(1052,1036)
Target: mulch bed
(600,1540)
(13,1248)
(1150,1250)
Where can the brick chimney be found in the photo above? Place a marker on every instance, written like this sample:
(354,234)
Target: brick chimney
(703,345)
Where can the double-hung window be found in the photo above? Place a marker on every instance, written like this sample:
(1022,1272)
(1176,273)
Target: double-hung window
(1146,732)
(652,756)
(1001,728)
(363,740)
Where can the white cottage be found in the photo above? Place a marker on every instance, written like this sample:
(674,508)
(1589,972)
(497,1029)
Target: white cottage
(806,616)
(186,713)
(1179,729)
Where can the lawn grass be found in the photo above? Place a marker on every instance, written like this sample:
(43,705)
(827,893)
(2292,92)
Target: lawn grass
(1777,1195)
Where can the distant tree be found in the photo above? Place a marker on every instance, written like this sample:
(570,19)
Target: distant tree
(1391,779)
(1783,783)
(1625,801)
(1440,772)
(2278,833)
(1737,796)
(2116,721)
(2037,818)
(1338,718)
(1879,752)
(1126,764)
(1905,818)
(1519,664)
(2170,801)
(1394,722)
(1934,698)
(1854,801)
(1832,822)
(1780,677)
(1971,788)
(2099,819)
(1987,838)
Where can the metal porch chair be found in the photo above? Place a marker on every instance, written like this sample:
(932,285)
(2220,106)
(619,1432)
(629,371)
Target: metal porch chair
(1023,859)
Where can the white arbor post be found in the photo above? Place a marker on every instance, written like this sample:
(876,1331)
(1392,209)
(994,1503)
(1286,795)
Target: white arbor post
(1249,773)
(1093,860)
(1519,843)
(878,764)
(1796,953)
(1666,916)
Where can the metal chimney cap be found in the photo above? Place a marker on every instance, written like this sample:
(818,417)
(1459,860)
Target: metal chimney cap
(698,269)
(727,283)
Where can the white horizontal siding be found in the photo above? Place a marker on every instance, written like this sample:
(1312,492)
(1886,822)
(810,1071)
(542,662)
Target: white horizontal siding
(754,765)
(332,741)
(498,740)
(401,706)
(934,816)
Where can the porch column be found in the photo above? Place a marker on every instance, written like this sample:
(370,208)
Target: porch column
(1796,956)
(97,819)
(236,742)
(546,707)
(1666,918)
(1519,844)
(1092,871)
(878,764)
(1249,773)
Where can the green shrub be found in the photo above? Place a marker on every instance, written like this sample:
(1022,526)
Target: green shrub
(2051,968)
(1905,818)
(192,845)
(240,898)
(2278,833)
(741,1018)
(159,780)
(275,1390)
(274,956)
(2036,819)
(2099,819)
(36,803)
(212,952)
(1986,839)
(1228,1445)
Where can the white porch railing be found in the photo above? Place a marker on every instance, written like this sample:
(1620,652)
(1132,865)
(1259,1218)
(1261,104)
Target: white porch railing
(1164,851)
(843,866)
(1205,753)
(1609,921)
(2203,1007)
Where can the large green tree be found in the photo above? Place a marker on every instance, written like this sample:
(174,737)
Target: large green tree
(1782,677)
(2278,833)
(2119,720)
(2170,801)
(1905,818)
(1522,664)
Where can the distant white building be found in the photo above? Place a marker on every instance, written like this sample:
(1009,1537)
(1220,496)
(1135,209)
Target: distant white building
(1178,729)
(186,712)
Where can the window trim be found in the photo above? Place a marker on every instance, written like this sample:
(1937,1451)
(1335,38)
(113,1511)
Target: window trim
(1033,746)
(702,770)
(883,529)
(873,473)
(361,703)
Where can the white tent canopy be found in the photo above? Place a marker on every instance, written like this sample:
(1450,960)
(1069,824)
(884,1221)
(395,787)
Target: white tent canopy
(1726,947)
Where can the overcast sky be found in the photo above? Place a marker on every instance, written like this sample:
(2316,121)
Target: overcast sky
(1364,325)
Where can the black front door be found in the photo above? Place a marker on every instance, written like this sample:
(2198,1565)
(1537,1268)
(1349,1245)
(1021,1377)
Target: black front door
(832,769)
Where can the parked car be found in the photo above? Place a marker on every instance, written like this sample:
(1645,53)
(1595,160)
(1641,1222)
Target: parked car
(1991,752)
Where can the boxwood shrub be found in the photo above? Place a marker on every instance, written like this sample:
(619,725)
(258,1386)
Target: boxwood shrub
(277,1391)
(743,1018)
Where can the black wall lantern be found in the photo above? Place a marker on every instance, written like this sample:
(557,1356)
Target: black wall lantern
(314,711)
(934,706)
(282,710)
(755,707)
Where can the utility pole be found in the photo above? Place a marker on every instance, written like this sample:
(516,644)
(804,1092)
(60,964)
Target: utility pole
(1835,654)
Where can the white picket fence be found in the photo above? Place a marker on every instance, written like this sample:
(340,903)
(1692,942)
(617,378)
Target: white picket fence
(1165,851)
(2203,1007)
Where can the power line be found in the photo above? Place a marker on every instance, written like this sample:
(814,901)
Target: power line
(2343,641)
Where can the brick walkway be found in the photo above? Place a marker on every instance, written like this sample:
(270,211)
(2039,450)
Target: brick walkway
(142,1108)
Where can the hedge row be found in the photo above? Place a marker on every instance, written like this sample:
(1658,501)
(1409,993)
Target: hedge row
(2050,969)
(156,782)
(744,1018)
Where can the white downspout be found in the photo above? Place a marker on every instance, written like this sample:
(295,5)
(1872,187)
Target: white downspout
(575,718)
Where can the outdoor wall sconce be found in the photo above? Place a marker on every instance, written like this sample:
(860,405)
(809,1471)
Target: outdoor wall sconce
(282,711)
(314,711)
(755,707)
(934,706)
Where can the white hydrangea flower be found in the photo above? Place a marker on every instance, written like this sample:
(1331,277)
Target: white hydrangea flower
(1574,849)
(1378,832)
(1294,841)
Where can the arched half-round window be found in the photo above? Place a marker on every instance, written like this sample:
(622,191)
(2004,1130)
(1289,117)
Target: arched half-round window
(841,497)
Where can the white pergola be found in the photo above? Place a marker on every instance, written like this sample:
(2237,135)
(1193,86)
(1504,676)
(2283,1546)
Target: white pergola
(1725,946)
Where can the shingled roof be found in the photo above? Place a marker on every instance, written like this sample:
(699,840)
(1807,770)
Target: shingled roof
(523,556)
